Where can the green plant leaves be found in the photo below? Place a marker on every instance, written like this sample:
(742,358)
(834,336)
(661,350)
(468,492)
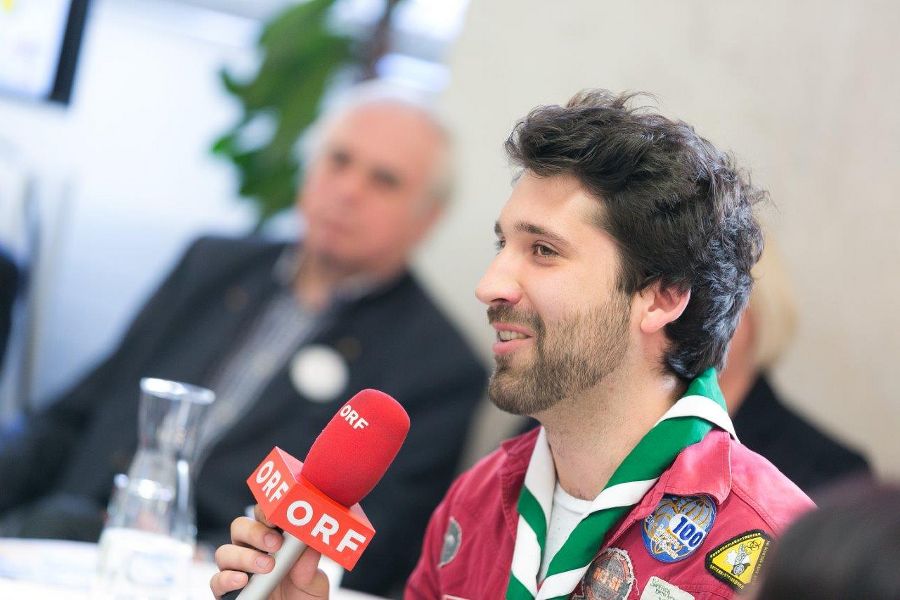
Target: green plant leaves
(300,55)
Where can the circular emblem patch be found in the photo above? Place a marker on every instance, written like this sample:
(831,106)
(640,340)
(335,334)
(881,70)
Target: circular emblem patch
(678,526)
(319,373)
(610,577)
(452,539)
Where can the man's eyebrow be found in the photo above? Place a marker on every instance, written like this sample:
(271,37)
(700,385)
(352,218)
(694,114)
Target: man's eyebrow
(532,229)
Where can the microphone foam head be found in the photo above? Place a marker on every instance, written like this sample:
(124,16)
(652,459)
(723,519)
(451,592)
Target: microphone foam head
(356,447)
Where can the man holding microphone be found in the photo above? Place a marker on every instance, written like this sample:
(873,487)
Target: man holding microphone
(623,264)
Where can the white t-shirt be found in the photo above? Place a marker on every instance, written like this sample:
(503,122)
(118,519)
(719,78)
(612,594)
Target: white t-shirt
(566,512)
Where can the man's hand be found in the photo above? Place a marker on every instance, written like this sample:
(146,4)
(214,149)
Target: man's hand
(305,581)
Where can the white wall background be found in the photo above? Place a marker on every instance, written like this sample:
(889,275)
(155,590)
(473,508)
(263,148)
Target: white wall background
(125,169)
(805,93)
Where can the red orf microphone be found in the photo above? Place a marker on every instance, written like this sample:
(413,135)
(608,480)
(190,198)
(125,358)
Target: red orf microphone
(316,502)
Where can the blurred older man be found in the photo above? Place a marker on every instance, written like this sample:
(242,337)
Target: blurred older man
(283,334)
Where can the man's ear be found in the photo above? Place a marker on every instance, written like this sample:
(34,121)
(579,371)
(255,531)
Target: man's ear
(661,306)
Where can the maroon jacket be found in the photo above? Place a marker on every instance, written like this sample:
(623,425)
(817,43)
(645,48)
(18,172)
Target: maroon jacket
(735,500)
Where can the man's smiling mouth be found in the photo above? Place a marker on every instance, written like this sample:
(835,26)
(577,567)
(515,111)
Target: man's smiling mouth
(506,336)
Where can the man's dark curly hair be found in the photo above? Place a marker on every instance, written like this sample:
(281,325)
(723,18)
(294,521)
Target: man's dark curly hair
(680,210)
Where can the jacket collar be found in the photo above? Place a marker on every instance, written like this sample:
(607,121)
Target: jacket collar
(517,454)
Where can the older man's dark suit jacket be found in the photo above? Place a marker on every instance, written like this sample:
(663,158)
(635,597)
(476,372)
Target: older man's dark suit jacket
(394,340)
(809,457)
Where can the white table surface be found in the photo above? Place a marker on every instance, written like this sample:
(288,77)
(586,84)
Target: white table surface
(60,570)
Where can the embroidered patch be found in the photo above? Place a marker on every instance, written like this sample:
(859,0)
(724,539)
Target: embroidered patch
(678,526)
(452,540)
(610,577)
(738,560)
(659,589)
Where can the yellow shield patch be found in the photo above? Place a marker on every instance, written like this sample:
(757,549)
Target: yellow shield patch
(738,560)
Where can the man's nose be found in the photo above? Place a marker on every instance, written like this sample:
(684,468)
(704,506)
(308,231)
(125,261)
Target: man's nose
(350,185)
(500,282)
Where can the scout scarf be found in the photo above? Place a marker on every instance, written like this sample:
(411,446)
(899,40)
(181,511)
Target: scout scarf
(686,423)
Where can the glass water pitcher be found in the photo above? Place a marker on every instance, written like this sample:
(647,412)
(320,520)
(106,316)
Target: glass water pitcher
(149,538)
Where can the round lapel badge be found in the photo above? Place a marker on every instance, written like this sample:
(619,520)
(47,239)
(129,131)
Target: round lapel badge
(319,373)
(678,526)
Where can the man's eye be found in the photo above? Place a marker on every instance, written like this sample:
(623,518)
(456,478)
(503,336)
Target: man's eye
(339,159)
(499,245)
(385,180)
(543,251)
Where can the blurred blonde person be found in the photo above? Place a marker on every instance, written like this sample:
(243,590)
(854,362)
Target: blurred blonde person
(810,457)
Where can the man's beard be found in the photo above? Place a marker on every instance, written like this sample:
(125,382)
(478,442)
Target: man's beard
(576,355)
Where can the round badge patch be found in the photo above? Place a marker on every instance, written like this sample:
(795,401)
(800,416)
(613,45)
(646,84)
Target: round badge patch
(678,526)
(319,373)
(610,577)
(452,540)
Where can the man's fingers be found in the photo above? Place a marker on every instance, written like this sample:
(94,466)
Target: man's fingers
(259,516)
(307,577)
(237,558)
(254,534)
(226,581)
(247,554)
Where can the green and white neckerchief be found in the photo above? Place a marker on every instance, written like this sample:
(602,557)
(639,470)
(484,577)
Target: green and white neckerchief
(686,423)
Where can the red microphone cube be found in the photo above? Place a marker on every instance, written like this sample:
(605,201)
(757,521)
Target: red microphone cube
(290,502)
